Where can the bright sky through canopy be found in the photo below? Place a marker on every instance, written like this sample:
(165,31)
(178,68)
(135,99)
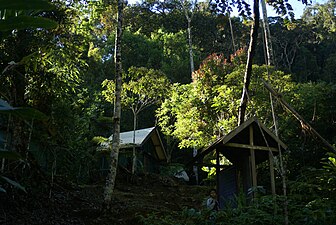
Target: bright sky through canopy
(297,5)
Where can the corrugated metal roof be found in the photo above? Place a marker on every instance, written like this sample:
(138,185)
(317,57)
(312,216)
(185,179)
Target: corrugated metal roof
(126,138)
(141,137)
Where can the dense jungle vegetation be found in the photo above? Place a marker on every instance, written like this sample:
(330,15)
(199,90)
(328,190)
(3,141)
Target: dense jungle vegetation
(57,86)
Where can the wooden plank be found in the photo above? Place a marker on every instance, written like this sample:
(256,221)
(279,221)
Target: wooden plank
(270,133)
(237,130)
(161,144)
(217,173)
(210,165)
(253,164)
(297,116)
(271,164)
(256,147)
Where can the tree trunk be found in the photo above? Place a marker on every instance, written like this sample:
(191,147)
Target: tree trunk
(189,18)
(191,54)
(248,69)
(267,35)
(232,35)
(110,180)
(269,62)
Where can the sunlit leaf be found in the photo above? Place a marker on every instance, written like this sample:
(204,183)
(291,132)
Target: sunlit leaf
(332,160)
(99,139)
(25,22)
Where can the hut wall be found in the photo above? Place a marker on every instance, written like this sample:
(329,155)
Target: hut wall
(228,186)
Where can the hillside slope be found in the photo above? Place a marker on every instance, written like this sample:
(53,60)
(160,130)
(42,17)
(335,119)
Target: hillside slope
(82,204)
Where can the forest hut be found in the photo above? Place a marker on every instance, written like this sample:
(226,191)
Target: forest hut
(150,151)
(248,145)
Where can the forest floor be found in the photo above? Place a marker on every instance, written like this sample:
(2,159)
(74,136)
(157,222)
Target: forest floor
(78,205)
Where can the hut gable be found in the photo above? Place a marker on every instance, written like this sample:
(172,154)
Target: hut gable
(239,139)
(245,147)
(150,150)
(142,137)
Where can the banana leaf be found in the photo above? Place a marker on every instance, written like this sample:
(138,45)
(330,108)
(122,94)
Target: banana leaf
(22,112)
(26,22)
(9,155)
(14,183)
(25,5)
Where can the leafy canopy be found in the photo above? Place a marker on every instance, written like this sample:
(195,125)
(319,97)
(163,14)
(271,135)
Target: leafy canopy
(198,113)
(142,87)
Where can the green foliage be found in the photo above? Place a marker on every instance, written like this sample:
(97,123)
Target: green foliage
(141,51)
(24,22)
(244,8)
(99,139)
(22,4)
(175,55)
(198,113)
(12,156)
(142,88)
(302,47)
(51,76)
(314,102)
(171,169)
(13,183)
(9,155)
(322,19)
(264,210)
(17,14)
(22,112)
(54,77)
(311,196)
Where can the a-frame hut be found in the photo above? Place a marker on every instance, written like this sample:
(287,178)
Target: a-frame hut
(150,150)
(246,146)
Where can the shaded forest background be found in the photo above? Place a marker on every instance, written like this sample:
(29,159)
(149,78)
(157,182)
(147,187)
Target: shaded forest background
(62,71)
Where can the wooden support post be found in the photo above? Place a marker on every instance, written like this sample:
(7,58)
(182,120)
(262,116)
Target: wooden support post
(271,165)
(217,174)
(297,115)
(253,164)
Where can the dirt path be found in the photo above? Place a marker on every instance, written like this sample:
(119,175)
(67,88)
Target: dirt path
(81,204)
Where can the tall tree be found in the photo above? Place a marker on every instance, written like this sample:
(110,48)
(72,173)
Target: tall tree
(110,179)
(189,10)
(142,88)
(248,70)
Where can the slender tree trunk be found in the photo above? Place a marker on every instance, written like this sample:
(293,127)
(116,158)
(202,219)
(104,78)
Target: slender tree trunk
(191,54)
(232,35)
(134,159)
(270,58)
(267,35)
(189,18)
(248,69)
(110,180)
